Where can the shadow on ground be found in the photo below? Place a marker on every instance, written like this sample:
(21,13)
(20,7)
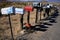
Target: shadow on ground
(40,28)
(43,28)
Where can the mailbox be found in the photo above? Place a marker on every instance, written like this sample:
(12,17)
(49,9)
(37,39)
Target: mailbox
(36,5)
(28,8)
(19,10)
(7,10)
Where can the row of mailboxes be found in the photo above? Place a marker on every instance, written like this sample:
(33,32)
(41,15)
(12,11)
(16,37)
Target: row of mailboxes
(9,10)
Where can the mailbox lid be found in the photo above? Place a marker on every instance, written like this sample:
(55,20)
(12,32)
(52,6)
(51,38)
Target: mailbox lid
(28,8)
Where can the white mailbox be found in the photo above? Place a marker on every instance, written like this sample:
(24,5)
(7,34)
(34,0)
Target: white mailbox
(19,10)
(7,10)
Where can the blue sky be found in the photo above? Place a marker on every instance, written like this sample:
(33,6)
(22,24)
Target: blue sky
(36,0)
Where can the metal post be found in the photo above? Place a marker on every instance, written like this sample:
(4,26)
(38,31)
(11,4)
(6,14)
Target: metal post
(10,27)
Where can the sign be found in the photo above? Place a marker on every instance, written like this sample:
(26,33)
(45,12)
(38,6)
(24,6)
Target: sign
(7,10)
(28,8)
(19,10)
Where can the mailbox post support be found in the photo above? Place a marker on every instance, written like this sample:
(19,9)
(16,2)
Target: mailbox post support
(21,21)
(28,17)
(36,15)
(40,13)
(41,9)
(40,17)
(11,27)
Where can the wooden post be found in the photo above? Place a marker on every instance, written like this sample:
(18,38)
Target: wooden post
(36,15)
(10,27)
(21,21)
(40,13)
(28,17)
(40,16)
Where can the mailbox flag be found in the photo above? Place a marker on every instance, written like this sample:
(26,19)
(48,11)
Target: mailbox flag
(7,10)
(19,10)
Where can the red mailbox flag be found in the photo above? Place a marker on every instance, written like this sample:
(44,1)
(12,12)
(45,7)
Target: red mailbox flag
(28,8)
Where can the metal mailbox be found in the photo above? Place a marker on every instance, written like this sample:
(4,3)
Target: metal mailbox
(28,8)
(19,10)
(7,10)
(36,5)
